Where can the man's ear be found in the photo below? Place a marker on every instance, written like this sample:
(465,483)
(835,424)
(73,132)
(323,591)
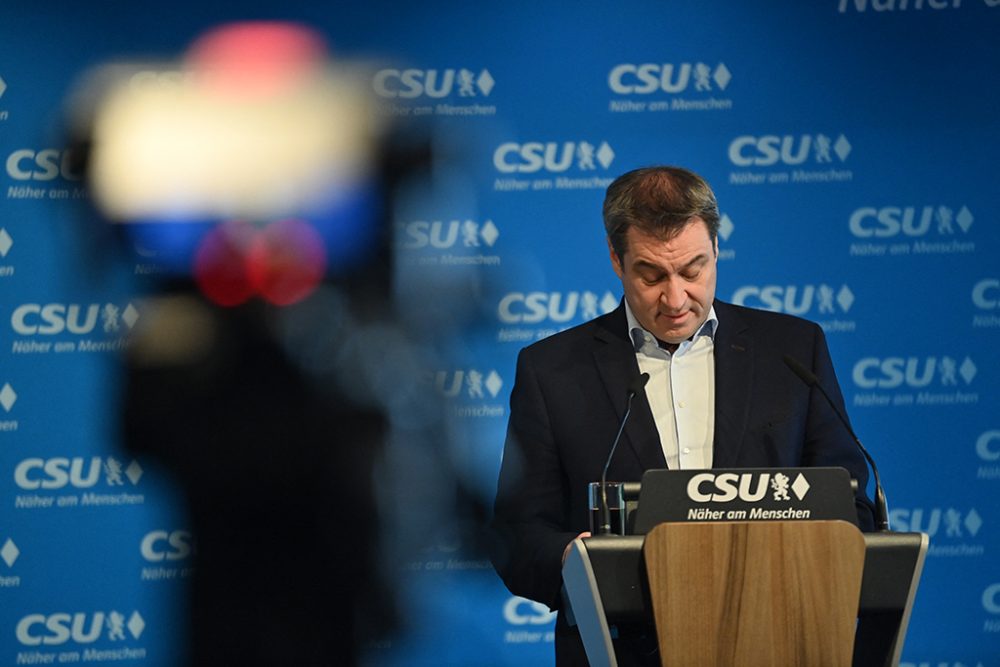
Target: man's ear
(716,244)
(616,262)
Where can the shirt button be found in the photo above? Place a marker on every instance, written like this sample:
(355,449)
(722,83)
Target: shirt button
(682,404)
(687,450)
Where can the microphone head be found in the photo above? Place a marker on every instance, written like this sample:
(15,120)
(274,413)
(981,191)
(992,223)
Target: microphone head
(804,373)
(637,384)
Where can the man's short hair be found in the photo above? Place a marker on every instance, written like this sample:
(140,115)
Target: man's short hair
(660,201)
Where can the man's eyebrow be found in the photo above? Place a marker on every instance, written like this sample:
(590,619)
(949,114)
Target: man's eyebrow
(697,259)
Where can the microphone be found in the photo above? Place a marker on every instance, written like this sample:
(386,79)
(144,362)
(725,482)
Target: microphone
(807,376)
(634,388)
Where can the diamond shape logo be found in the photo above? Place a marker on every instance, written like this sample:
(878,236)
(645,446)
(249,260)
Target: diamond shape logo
(3,86)
(605,155)
(964,219)
(845,298)
(609,302)
(493,383)
(134,472)
(9,552)
(130,315)
(967,370)
(973,522)
(485,82)
(722,76)
(842,147)
(5,242)
(725,227)
(489,233)
(8,397)
(800,487)
(135,624)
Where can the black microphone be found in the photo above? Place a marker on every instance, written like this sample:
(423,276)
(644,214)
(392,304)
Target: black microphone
(807,376)
(634,388)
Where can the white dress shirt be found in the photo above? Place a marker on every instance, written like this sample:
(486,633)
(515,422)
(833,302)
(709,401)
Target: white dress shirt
(680,391)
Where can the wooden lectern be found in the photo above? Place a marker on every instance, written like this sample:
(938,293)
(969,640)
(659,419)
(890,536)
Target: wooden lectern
(768,593)
(782,593)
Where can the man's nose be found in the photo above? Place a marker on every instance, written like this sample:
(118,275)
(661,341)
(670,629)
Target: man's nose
(672,295)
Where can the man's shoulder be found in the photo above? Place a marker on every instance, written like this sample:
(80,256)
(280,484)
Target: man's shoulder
(770,321)
(582,335)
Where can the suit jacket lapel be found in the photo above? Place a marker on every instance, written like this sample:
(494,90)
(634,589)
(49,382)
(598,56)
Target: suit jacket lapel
(617,365)
(733,385)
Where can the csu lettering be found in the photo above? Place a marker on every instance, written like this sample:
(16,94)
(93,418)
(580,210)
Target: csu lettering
(793,299)
(519,611)
(649,78)
(726,487)
(988,446)
(411,83)
(893,372)
(890,221)
(446,388)
(534,156)
(43,165)
(436,234)
(991,599)
(159,545)
(764,151)
(535,307)
(986,294)
(55,473)
(55,629)
(914,520)
(54,318)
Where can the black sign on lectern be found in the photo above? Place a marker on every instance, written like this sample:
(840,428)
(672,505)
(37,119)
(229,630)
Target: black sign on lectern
(744,494)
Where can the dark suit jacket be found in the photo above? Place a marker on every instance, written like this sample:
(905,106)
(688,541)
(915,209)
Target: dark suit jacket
(568,398)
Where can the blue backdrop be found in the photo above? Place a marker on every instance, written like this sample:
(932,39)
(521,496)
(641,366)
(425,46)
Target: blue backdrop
(852,145)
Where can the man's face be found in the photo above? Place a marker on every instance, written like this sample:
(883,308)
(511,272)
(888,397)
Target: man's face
(669,285)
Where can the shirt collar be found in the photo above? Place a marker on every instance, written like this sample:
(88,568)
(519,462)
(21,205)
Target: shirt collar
(640,337)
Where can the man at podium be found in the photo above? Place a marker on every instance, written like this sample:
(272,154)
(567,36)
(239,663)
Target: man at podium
(719,393)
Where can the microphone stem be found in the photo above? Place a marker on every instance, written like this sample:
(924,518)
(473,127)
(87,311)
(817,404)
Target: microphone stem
(605,528)
(881,507)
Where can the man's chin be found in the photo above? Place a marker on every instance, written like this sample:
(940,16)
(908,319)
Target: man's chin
(672,336)
(676,334)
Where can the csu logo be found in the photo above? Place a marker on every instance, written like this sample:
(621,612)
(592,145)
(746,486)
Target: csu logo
(8,397)
(9,552)
(451,383)
(44,165)
(552,156)
(54,318)
(891,221)
(794,299)
(560,307)
(78,472)
(80,627)
(986,294)
(160,545)
(750,487)
(443,235)
(647,78)
(520,611)
(929,521)
(770,149)
(413,83)
(914,372)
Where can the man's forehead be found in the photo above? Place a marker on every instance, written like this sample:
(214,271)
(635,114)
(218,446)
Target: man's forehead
(654,236)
